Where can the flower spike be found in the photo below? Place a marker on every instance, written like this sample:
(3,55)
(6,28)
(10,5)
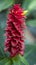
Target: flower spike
(15,31)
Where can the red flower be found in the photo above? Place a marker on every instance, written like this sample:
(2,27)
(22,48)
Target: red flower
(14,31)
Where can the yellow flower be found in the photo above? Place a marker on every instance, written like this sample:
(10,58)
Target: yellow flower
(25,12)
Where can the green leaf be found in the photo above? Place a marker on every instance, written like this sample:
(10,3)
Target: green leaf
(29,4)
(5,4)
(2,32)
(23,60)
(2,52)
(31,57)
(8,63)
(26,3)
(16,60)
(32,5)
(3,61)
(26,54)
(31,49)
(31,22)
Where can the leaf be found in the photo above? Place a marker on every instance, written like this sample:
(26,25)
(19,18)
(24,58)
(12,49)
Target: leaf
(31,22)
(3,61)
(32,56)
(16,60)
(29,4)
(26,3)
(31,49)
(32,5)
(23,60)
(8,63)
(2,52)
(2,32)
(5,4)
(26,54)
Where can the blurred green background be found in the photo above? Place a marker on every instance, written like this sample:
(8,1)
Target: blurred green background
(30,31)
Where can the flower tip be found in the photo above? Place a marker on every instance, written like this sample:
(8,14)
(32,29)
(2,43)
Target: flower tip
(25,12)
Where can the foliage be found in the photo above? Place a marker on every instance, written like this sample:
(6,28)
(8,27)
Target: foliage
(5,4)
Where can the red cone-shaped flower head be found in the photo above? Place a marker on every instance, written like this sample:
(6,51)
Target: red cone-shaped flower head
(14,31)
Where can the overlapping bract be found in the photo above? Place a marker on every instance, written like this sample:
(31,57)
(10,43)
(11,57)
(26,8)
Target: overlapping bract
(14,31)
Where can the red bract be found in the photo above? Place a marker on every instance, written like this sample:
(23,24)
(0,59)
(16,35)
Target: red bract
(14,31)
